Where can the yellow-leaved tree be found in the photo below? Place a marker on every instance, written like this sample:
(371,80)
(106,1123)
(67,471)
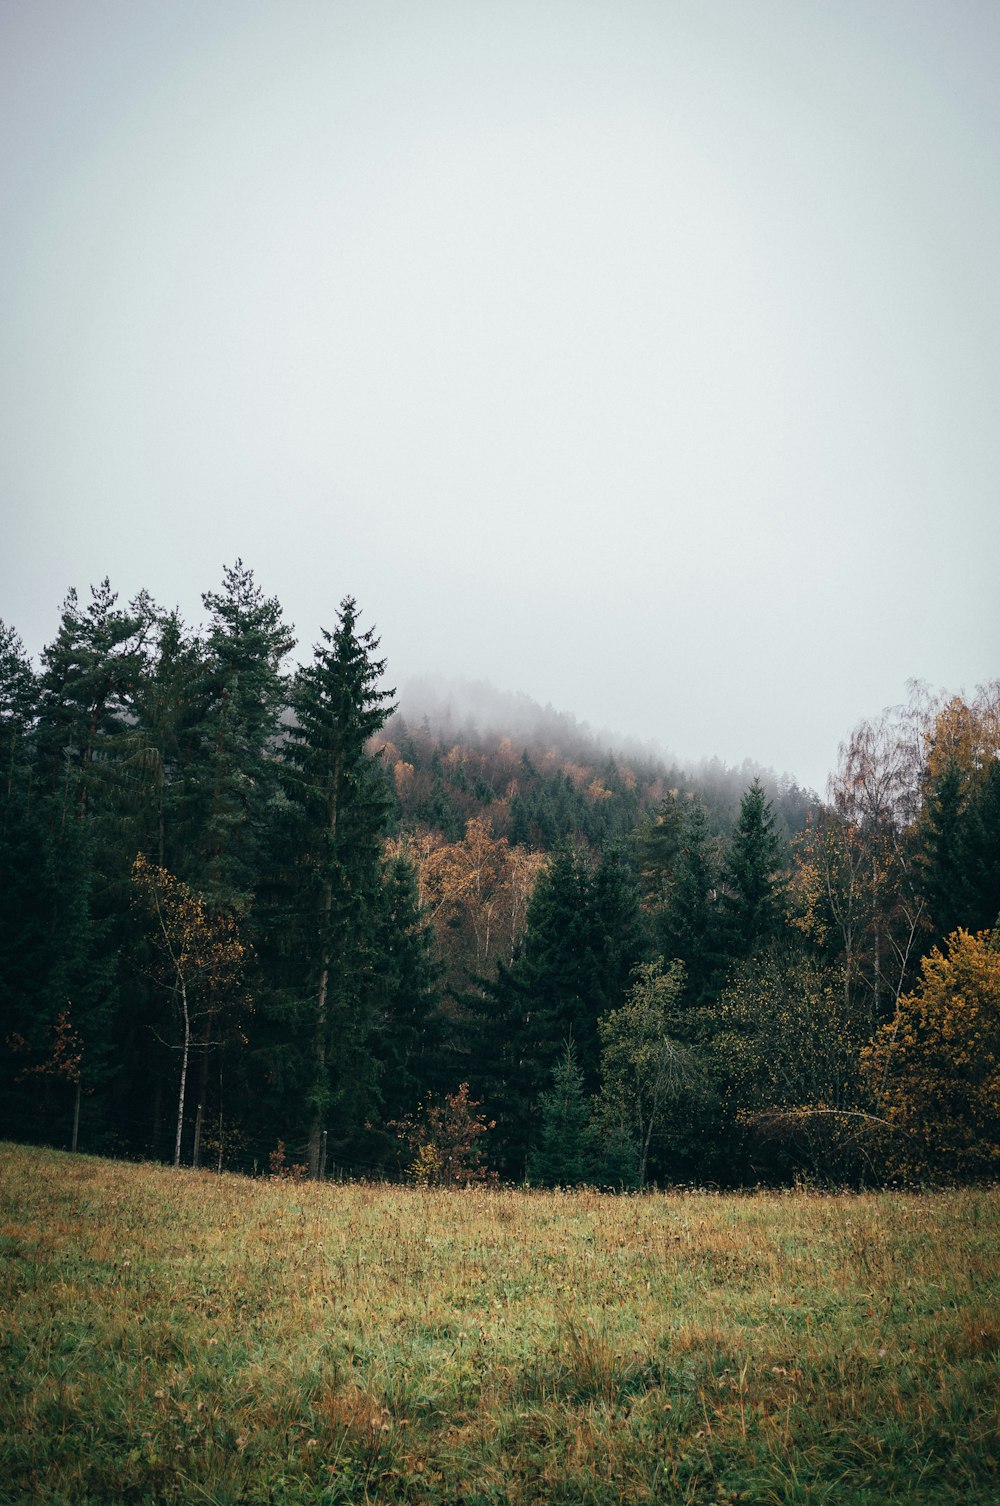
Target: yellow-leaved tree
(201,961)
(935,1068)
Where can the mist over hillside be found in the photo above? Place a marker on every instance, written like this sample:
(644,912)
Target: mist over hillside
(468,711)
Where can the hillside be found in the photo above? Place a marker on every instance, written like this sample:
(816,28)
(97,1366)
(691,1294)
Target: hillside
(540,778)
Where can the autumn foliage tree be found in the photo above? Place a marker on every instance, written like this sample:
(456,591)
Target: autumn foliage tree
(935,1069)
(475,893)
(201,959)
(445,1139)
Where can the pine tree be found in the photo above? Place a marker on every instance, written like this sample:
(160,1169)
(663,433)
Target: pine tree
(564,1156)
(688,925)
(334,876)
(406,1026)
(89,674)
(753,896)
(242,695)
(17,715)
(582,940)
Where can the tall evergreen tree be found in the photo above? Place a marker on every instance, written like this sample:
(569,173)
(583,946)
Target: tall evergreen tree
(406,1027)
(337,810)
(582,940)
(751,873)
(89,674)
(564,1156)
(17,715)
(242,697)
(688,924)
(958,837)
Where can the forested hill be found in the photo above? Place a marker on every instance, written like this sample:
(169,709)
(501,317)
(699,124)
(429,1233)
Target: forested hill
(542,780)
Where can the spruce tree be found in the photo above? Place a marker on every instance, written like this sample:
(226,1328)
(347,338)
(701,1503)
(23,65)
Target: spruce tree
(688,924)
(406,1026)
(564,1155)
(89,673)
(582,940)
(751,870)
(337,807)
(242,694)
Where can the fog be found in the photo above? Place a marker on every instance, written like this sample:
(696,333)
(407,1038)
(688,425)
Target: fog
(641,359)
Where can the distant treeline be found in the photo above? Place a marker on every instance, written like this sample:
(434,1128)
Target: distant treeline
(254,917)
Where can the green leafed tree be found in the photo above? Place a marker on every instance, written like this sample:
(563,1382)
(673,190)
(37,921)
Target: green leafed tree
(786,1050)
(648,1075)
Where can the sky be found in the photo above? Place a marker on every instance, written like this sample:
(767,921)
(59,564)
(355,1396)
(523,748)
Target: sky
(641,357)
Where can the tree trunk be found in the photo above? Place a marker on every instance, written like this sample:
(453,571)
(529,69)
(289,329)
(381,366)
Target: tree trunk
(206,1046)
(319,1059)
(185,1050)
(76,1117)
(219,1167)
(196,1152)
(316,1127)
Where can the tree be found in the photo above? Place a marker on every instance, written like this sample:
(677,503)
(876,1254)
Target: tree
(871,857)
(475,893)
(406,1028)
(564,1156)
(582,939)
(445,1139)
(88,676)
(202,960)
(161,750)
(17,714)
(688,924)
(935,1069)
(958,827)
(337,807)
(658,841)
(645,1068)
(785,1050)
(753,896)
(64,1063)
(242,693)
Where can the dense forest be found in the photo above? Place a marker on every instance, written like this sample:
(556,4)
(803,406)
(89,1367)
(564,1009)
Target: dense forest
(257,917)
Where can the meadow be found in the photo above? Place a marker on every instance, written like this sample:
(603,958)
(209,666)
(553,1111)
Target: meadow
(179,1336)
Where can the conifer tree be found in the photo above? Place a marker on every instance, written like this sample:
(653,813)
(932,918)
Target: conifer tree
(89,674)
(242,695)
(564,1156)
(582,940)
(406,1027)
(751,873)
(688,925)
(334,875)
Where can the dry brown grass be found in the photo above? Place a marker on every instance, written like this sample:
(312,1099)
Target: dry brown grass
(174,1336)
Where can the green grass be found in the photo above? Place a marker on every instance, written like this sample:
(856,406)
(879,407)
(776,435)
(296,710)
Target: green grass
(181,1336)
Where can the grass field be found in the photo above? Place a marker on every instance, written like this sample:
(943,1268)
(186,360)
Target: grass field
(181,1336)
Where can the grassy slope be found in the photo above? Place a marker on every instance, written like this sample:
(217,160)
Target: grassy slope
(172,1336)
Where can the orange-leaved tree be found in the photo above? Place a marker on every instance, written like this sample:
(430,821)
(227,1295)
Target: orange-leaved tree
(444,1140)
(935,1068)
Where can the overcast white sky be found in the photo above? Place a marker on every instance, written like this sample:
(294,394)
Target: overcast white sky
(643,357)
